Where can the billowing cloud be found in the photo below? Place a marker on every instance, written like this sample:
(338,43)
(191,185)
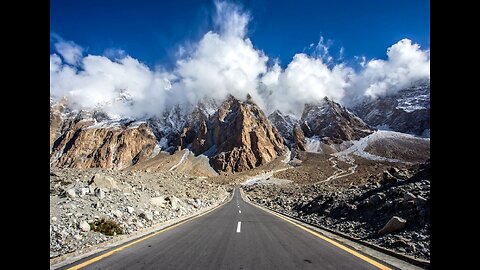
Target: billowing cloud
(224,61)
(406,64)
(306,79)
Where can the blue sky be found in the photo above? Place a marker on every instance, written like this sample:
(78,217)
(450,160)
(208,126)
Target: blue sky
(152,31)
(282,54)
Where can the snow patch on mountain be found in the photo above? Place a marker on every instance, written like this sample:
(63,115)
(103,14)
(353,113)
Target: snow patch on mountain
(358,147)
(313,144)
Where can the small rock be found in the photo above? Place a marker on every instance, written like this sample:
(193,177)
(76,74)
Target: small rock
(117,213)
(54,219)
(130,209)
(393,225)
(147,216)
(420,200)
(78,237)
(100,193)
(84,226)
(409,196)
(83,191)
(71,193)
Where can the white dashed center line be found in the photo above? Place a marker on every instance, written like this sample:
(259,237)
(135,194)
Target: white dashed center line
(239,226)
(239,211)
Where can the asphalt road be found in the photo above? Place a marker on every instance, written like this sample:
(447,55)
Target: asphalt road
(217,241)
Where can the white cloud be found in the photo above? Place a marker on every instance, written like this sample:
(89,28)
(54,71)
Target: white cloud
(71,52)
(219,64)
(125,87)
(230,19)
(224,62)
(406,64)
(305,80)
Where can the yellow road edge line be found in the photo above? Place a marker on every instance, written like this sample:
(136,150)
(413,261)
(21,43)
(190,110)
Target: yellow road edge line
(353,252)
(78,266)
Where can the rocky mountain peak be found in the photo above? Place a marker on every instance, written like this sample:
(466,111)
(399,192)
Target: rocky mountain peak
(329,119)
(238,137)
(289,127)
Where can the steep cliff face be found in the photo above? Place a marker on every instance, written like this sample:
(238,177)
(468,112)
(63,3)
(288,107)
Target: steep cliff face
(299,141)
(79,141)
(289,128)
(195,132)
(330,119)
(237,137)
(284,123)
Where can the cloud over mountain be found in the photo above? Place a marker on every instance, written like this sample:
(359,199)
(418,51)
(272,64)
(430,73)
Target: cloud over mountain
(224,61)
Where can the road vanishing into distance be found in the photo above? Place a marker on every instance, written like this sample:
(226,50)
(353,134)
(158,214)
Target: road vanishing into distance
(237,235)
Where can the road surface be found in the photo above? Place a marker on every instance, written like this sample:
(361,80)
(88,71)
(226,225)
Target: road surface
(237,235)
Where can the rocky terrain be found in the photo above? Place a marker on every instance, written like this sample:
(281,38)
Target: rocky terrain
(391,210)
(407,111)
(133,200)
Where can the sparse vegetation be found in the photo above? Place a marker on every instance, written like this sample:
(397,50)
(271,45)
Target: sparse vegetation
(107,227)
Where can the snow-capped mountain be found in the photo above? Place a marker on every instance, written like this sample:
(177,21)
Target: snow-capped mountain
(332,122)
(235,135)
(407,111)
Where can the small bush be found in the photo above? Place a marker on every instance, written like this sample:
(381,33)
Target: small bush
(107,227)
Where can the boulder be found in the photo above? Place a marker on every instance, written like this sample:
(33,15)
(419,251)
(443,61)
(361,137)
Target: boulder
(84,226)
(389,178)
(130,209)
(159,201)
(117,213)
(175,202)
(376,198)
(103,181)
(83,191)
(147,216)
(393,225)
(420,200)
(71,193)
(409,196)
(99,193)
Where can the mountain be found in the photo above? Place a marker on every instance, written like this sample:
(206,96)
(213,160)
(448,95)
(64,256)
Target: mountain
(284,124)
(332,122)
(407,111)
(88,140)
(235,136)
(289,127)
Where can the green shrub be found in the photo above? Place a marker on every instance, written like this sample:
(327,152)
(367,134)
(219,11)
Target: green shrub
(107,227)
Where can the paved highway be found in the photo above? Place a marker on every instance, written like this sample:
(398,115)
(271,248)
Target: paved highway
(237,235)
